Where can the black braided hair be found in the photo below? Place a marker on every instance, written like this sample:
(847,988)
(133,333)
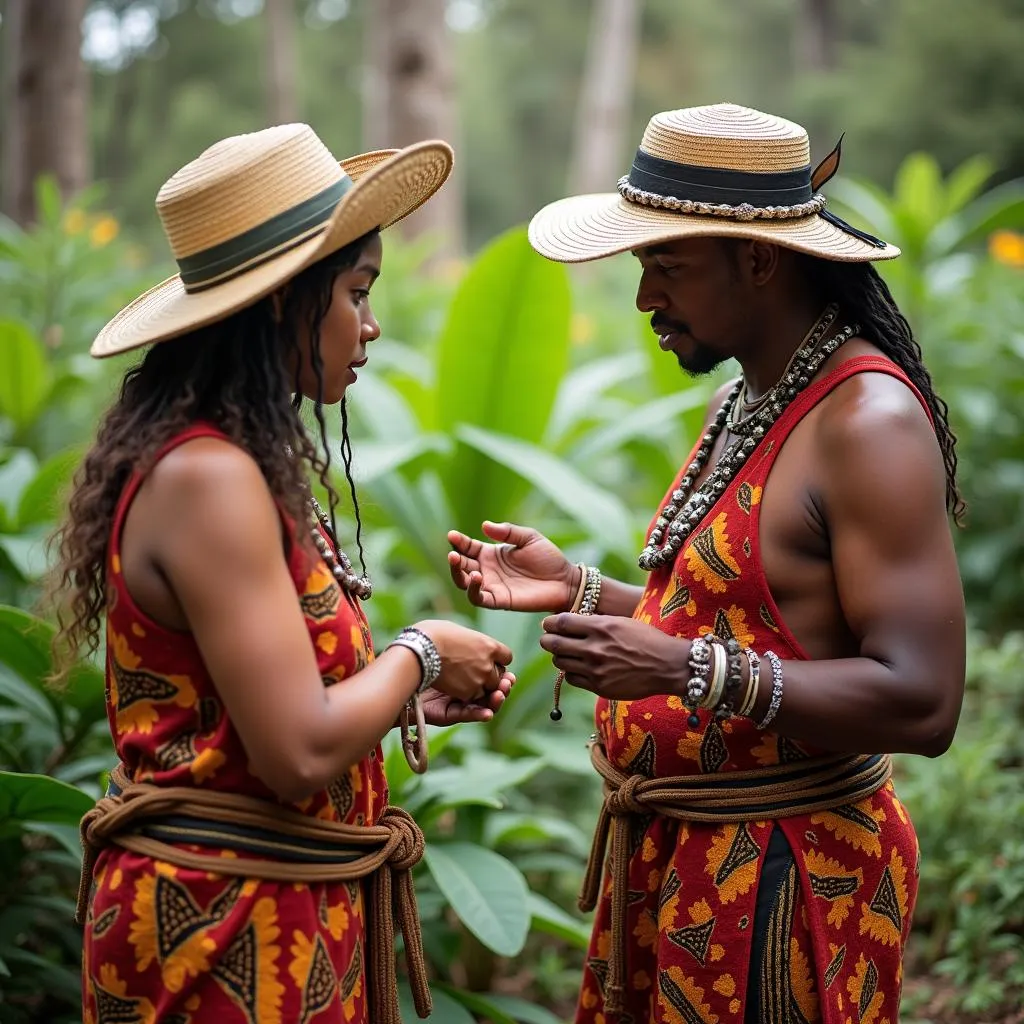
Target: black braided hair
(864,297)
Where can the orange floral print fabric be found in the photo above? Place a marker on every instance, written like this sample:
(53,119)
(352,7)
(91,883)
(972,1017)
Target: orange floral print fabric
(191,947)
(834,942)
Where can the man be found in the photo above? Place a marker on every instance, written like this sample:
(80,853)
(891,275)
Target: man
(803,616)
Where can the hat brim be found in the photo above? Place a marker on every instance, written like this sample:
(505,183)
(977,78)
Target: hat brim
(388,185)
(590,227)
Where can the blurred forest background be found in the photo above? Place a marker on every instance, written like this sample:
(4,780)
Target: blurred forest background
(508,387)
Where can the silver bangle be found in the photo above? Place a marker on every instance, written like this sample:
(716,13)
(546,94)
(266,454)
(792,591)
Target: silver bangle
(776,701)
(426,653)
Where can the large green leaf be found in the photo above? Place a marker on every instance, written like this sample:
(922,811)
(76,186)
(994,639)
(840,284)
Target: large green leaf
(17,471)
(41,500)
(25,649)
(520,1009)
(486,891)
(502,354)
(598,511)
(24,374)
(446,1010)
(581,388)
(550,918)
(25,798)
(482,1005)
(481,779)
(655,419)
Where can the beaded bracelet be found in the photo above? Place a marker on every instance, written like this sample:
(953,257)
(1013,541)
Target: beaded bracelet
(734,676)
(776,701)
(587,596)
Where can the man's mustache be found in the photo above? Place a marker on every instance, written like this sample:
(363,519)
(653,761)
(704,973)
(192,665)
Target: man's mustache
(662,325)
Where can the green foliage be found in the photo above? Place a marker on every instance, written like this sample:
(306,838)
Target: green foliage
(968,808)
(503,399)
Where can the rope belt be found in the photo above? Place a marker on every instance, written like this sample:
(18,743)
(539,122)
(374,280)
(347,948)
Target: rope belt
(145,819)
(779,791)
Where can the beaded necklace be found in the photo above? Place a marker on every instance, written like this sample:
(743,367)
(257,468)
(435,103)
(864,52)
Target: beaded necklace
(686,507)
(339,564)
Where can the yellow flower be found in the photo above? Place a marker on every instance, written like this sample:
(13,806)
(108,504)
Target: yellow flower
(103,232)
(74,222)
(581,329)
(1007,247)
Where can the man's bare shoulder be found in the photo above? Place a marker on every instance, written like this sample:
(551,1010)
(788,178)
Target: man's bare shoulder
(871,408)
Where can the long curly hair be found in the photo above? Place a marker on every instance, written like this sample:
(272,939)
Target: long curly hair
(233,374)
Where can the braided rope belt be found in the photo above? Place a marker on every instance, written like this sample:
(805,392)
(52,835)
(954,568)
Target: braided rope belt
(778,791)
(292,847)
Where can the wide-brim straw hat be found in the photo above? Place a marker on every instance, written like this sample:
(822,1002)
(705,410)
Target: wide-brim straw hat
(254,210)
(713,171)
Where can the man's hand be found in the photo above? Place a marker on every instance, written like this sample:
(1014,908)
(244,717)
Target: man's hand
(616,658)
(441,709)
(522,572)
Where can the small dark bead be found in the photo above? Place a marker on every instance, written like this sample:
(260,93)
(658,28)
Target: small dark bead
(555,715)
(693,721)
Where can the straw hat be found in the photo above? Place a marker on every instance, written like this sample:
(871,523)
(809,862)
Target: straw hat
(720,170)
(254,210)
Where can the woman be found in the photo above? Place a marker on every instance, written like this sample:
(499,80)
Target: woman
(244,698)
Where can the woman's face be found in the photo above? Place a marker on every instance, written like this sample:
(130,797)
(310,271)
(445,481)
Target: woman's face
(345,329)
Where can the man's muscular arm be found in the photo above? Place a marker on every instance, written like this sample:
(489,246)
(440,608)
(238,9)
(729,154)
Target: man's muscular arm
(883,498)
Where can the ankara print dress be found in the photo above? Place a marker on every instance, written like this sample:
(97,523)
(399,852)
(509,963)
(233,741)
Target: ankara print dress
(181,946)
(824,943)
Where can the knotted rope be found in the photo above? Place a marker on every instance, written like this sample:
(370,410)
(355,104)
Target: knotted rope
(385,853)
(778,791)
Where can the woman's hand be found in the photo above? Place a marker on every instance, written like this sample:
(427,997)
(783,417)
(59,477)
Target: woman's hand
(523,572)
(616,658)
(440,709)
(473,665)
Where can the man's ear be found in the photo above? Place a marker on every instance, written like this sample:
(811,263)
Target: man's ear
(764,261)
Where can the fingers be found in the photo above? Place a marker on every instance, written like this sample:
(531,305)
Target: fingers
(567,624)
(509,533)
(501,654)
(464,544)
(561,646)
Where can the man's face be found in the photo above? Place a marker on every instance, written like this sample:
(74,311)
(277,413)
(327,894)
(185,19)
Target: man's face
(693,289)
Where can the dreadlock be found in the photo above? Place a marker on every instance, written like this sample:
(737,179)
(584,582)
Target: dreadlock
(233,374)
(863,295)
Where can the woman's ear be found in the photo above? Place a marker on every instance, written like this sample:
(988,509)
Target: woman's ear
(277,301)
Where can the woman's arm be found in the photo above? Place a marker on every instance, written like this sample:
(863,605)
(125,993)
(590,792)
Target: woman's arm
(217,538)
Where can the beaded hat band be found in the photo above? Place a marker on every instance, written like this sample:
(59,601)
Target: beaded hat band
(720,170)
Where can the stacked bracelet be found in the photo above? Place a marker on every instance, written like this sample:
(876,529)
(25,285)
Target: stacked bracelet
(725,707)
(588,593)
(426,653)
(776,701)
(754,677)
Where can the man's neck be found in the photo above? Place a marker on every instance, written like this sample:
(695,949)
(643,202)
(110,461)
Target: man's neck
(765,361)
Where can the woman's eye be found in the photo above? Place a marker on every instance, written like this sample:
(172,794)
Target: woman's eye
(667,270)
(361,294)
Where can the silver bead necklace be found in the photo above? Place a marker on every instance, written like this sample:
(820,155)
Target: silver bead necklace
(339,563)
(686,506)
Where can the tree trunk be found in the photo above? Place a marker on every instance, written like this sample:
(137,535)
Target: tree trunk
(603,113)
(409,95)
(817,35)
(45,124)
(282,103)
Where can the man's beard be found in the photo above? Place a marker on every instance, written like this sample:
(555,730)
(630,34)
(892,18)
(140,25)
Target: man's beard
(699,362)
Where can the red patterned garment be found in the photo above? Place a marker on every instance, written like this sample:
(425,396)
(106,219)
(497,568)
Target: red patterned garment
(181,946)
(832,944)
